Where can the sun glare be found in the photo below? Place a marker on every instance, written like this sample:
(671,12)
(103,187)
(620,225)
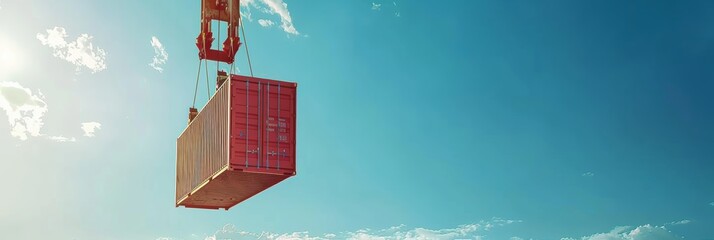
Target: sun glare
(10,59)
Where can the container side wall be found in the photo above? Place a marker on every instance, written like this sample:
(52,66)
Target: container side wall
(202,149)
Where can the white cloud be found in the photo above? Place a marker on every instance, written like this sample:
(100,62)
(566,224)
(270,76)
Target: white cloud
(476,231)
(80,52)
(588,174)
(711,204)
(247,14)
(62,139)
(376,6)
(469,231)
(90,128)
(682,222)
(160,55)
(273,7)
(645,232)
(265,22)
(24,110)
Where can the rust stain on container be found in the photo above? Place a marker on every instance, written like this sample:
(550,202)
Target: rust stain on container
(241,143)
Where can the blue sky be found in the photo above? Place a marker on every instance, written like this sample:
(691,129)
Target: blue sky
(416,119)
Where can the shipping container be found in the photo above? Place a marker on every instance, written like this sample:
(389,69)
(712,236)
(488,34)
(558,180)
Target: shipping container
(241,143)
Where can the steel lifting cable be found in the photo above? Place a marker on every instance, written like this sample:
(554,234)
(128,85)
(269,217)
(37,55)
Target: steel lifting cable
(219,43)
(229,30)
(208,88)
(247,53)
(240,23)
(198,77)
(208,91)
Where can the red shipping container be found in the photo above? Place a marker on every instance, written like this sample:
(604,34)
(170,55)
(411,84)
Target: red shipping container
(241,143)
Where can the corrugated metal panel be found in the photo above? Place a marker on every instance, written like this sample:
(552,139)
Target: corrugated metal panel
(245,142)
(264,125)
(202,149)
(279,128)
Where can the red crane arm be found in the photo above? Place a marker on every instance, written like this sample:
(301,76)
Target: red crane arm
(219,10)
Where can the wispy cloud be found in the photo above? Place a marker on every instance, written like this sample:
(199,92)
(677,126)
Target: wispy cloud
(711,204)
(62,139)
(480,231)
(396,13)
(682,222)
(468,231)
(246,14)
(376,6)
(647,232)
(588,174)
(265,22)
(160,55)
(24,110)
(80,52)
(90,128)
(388,8)
(273,7)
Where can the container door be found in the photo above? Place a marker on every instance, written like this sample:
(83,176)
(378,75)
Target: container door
(278,127)
(246,127)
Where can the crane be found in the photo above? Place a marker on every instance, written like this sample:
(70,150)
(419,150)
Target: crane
(244,139)
(222,11)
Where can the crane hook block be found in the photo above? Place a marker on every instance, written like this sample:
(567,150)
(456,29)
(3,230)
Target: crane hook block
(224,11)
